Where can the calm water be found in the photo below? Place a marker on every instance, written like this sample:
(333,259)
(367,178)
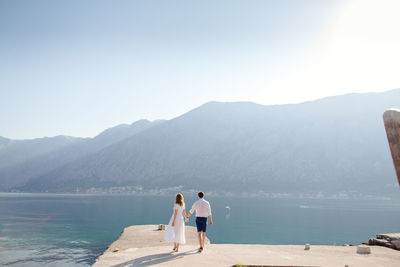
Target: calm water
(65,230)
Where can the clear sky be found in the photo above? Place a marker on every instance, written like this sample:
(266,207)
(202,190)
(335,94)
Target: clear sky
(79,67)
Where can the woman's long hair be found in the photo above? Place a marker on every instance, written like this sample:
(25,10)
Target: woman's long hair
(179,199)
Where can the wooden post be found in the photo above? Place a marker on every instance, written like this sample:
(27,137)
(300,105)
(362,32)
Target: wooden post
(391,119)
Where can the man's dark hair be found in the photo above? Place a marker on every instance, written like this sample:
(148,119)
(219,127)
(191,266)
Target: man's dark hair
(201,194)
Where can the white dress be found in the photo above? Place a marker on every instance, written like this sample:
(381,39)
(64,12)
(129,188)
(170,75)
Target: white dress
(177,233)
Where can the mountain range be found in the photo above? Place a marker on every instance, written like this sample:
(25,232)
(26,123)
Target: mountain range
(331,146)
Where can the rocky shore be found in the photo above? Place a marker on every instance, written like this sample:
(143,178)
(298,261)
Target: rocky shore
(386,240)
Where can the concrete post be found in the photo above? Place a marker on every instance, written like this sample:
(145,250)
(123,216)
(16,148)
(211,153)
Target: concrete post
(391,119)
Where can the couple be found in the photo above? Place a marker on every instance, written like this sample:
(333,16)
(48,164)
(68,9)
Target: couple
(176,227)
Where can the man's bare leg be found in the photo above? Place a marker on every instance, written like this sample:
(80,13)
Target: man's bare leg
(203,239)
(199,236)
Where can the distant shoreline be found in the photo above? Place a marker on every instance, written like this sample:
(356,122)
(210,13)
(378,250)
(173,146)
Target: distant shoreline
(213,194)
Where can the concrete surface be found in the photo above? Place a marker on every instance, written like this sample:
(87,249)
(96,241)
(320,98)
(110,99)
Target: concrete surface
(141,246)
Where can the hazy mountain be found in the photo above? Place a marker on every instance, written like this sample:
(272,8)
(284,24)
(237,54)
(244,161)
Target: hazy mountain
(4,142)
(19,174)
(13,152)
(331,145)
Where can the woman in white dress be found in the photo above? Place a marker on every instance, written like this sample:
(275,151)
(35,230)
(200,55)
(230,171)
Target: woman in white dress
(176,227)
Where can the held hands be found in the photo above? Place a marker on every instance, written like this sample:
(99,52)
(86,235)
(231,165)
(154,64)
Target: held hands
(187,219)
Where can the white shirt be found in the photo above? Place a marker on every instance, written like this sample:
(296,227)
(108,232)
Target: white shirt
(202,208)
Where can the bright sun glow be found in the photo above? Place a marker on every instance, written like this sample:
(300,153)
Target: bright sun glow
(365,47)
(361,54)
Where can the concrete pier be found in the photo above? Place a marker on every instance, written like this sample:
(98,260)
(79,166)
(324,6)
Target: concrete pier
(144,246)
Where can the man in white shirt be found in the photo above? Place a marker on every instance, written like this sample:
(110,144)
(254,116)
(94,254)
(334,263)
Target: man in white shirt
(203,210)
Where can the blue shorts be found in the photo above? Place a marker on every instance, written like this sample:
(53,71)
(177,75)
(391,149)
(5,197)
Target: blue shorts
(201,223)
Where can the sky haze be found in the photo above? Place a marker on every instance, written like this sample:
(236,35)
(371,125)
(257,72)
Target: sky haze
(78,67)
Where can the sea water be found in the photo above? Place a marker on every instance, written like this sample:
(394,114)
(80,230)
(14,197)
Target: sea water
(73,230)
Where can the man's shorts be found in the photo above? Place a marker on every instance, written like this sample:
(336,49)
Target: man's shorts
(201,223)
